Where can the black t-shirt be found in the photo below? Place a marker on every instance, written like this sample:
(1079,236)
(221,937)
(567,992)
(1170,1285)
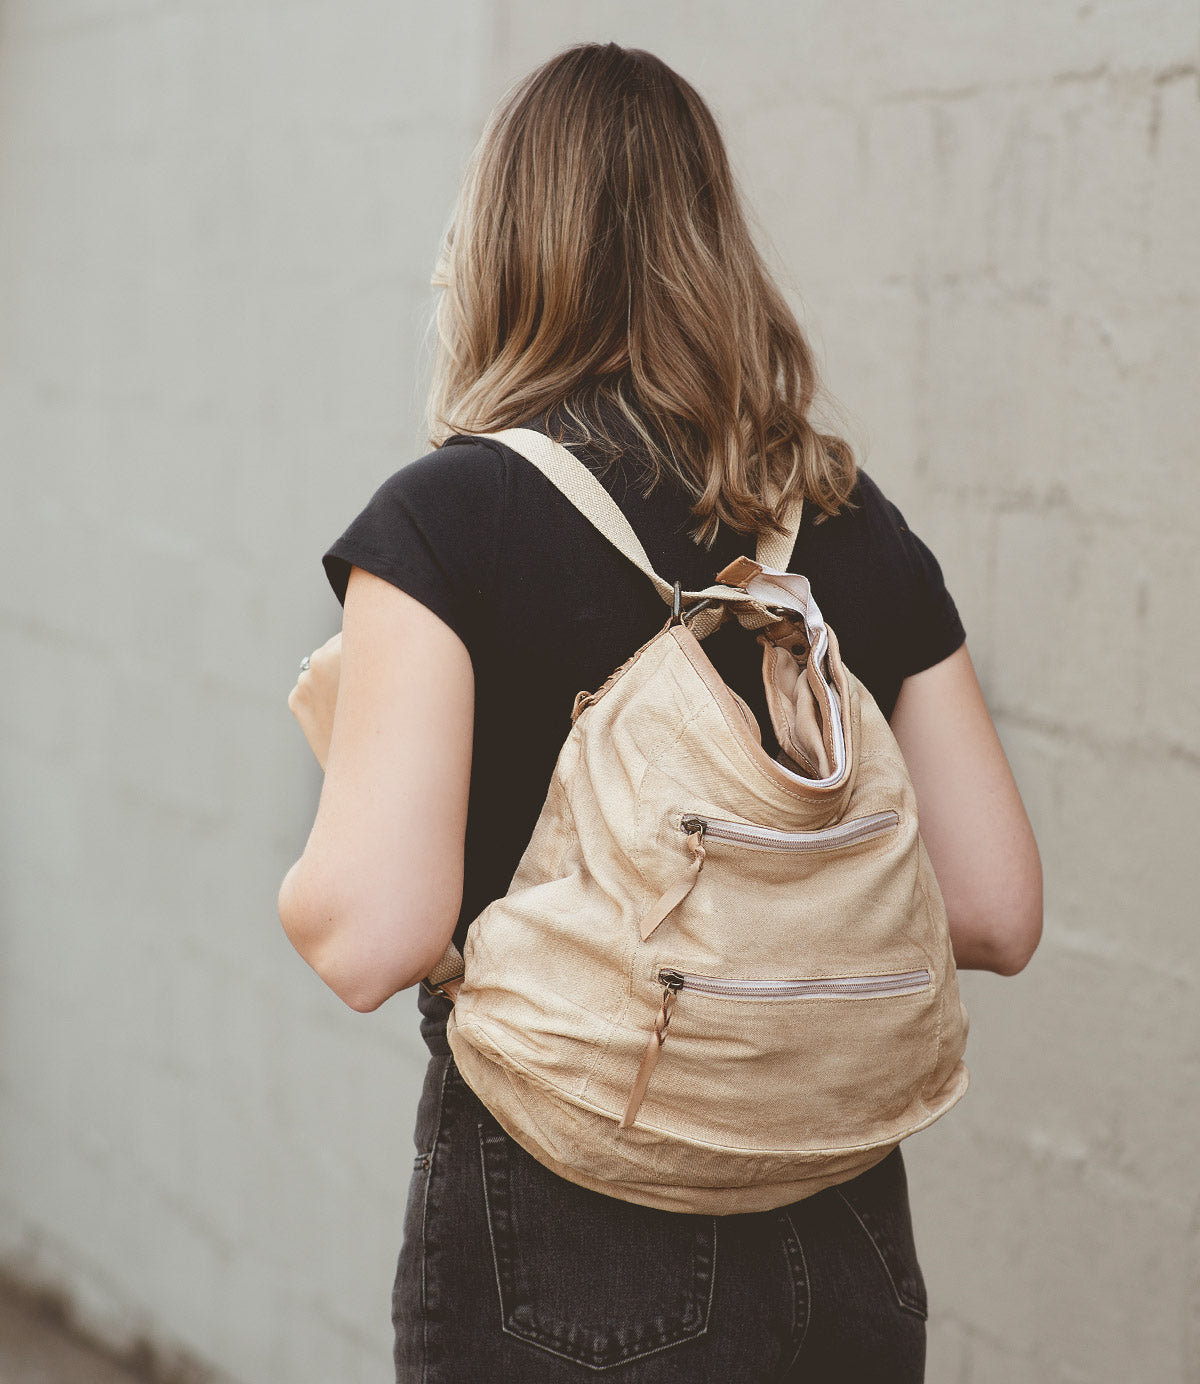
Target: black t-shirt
(547,607)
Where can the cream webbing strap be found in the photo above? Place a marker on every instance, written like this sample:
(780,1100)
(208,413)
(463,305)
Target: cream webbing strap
(775,549)
(565,471)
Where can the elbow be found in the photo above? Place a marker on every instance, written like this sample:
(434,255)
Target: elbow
(1004,947)
(1024,930)
(1017,950)
(1027,937)
(1000,935)
(363,980)
(362,998)
(362,954)
(352,962)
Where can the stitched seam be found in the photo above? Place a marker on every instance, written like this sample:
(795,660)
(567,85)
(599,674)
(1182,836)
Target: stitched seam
(587,1365)
(896,1293)
(437,1132)
(662,753)
(807,1290)
(941,987)
(618,1020)
(712,1279)
(619,672)
(487,1207)
(601,1047)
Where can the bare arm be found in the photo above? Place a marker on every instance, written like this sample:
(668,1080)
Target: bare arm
(373,900)
(972,819)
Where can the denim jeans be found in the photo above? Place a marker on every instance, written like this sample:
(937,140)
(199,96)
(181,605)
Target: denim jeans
(509,1274)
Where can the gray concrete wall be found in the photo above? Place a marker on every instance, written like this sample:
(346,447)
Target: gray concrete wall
(217,224)
(216,227)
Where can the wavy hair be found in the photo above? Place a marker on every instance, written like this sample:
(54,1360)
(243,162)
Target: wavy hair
(598,257)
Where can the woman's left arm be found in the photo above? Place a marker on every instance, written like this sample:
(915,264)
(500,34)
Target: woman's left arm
(372,902)
(973,822)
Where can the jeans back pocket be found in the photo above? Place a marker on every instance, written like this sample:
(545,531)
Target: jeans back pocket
(878,1201)
(586,1276)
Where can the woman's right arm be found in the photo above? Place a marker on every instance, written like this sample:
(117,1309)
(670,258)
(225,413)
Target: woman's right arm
(973,821)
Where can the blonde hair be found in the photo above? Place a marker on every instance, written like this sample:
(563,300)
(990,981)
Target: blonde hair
(598,255)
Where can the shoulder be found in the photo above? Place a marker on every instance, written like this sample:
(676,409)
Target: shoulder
(867,528)
(884,587)
(869,511)
(432,527)
(873,526)
(462,469)
(867,494)
(454,497)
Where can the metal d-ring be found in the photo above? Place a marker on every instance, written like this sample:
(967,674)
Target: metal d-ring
(679,616)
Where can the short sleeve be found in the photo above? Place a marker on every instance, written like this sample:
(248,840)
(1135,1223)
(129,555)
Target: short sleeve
(933,627)
(432,529)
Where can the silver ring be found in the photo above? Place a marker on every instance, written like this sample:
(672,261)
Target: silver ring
(304,662)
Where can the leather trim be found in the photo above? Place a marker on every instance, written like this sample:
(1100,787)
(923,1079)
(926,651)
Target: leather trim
(738,572)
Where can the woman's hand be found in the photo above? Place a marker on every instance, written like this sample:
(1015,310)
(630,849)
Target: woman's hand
(314,696)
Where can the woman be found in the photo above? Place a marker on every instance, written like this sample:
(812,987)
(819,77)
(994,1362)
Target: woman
(600,284)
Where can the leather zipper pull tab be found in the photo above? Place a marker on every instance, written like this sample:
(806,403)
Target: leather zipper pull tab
(654,1043)
(678,891)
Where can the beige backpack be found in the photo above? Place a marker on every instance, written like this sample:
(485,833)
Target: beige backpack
(719,982)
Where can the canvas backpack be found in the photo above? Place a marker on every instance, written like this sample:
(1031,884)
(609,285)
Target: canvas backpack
(719,981)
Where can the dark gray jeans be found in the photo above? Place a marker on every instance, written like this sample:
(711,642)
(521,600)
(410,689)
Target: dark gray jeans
(509,1274)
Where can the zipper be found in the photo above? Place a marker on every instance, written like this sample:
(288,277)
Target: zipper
(698,829)
(820,987)
(815,987)
(770,839)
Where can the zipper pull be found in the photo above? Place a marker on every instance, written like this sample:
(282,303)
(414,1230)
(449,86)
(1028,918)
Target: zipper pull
(678,891)
(695,827)
(672,983)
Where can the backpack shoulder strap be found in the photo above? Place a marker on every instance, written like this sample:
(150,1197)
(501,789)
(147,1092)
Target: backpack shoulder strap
(565,471)
(775,549)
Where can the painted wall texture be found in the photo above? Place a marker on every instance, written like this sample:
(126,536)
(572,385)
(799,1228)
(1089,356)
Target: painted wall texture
(217,223)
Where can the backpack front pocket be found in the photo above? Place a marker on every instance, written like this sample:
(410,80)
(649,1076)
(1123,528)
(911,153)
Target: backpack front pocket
(825,1044)
(700,830)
